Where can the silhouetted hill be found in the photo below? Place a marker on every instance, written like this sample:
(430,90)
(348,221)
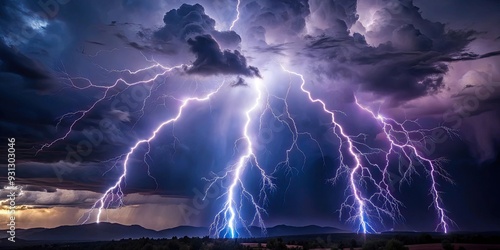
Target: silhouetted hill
(183,231)
(111,231)
(87,232)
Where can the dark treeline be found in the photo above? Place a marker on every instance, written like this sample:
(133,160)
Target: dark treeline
(389,241)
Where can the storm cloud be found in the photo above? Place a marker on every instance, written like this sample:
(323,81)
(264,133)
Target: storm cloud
(405,62)
(211,60)
(189,21)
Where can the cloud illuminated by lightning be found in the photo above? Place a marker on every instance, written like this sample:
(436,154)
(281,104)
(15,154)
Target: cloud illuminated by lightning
(367,197)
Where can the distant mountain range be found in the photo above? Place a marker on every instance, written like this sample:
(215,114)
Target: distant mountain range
(111,231)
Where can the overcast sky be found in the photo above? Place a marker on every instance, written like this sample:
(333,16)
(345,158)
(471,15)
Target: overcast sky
(434,62)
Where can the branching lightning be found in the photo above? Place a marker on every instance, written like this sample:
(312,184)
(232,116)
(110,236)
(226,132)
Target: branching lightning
(361,206)
(368,194)
(226,220)
(82,113)
(116,190)
(361,203)
(408,147)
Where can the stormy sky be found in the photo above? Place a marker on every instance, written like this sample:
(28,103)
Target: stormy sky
(435,63)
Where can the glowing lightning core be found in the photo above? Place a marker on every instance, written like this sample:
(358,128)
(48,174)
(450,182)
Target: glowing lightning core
(227,217)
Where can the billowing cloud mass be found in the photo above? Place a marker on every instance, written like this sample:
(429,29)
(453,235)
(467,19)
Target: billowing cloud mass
(189,21)
(34,74)
(211,60)
(397,54)
(435,62)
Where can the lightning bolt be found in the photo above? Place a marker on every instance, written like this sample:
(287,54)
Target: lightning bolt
(367,198)
(227,219)
(361,207)
(408,147)
(361,202)
(115,193)
(286,118)
(82,113)
(230,217)
(237,15)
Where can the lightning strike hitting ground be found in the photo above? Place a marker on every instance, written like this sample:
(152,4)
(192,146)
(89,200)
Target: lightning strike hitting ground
(408,147)
(360,206)
(226,220)
(230,216)
(116,190)
(367,199)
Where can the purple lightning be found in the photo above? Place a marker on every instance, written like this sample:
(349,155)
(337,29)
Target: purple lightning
(116,190)
(82,113)
(408,147)
(359,206)
(114,194)
(361,202)
(367,198)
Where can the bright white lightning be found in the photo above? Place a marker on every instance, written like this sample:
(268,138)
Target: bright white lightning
(227,218)
(82,113)
(360,173)
(237,15)
(109,196)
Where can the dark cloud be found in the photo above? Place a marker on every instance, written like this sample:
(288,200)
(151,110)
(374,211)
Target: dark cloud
(290,14)
(410,60)
(468,56)
(239,82)
(400,74)
(211,60)
(96,43)
(333,17)
(407,37)
(274,49)
(39,188)
(189,21)
(15,21)
(14,62)
(284,17)
(87,176)
(401,57)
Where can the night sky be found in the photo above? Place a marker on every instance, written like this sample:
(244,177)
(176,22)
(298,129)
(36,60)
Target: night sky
(433,65)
